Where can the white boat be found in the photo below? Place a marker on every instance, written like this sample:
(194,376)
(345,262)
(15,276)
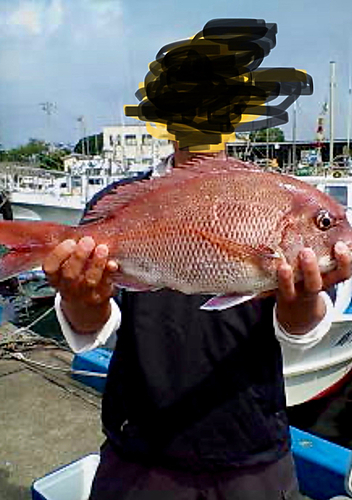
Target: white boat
(32,206)
(58,198)
(322,369)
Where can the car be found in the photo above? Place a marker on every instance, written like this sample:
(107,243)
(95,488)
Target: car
(263,162)
(342,165)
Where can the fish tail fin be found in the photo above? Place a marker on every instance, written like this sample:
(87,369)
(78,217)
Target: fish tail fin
(24,245)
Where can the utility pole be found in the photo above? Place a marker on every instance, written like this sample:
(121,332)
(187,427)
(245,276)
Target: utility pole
(267,145)
(332,96)
(267,140)
(48,108)
(294,133)
(85,143)
(320,133)
(349,115)
(96,143)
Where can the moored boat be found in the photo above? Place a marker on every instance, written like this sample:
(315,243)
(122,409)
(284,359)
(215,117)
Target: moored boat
(321,370)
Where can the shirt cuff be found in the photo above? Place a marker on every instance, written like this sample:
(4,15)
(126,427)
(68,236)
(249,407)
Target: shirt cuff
(311,338)
(81,343)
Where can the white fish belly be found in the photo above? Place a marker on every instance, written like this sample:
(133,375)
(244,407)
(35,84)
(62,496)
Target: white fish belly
(202,277)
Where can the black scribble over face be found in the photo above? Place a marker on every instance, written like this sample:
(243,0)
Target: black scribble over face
(211,85)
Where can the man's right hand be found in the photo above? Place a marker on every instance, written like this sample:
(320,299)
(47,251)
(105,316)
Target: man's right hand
(82,273)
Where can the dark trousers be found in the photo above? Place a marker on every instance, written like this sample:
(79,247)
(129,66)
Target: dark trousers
(118,479)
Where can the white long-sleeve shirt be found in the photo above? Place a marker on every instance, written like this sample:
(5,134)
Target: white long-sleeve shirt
(107,335)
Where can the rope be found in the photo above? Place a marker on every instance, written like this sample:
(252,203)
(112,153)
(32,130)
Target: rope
(25,335)
(20,357)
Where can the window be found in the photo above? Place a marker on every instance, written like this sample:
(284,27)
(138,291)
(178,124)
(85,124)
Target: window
(76,181)
(95,182)
(339,193)
(130,140)
(146,139)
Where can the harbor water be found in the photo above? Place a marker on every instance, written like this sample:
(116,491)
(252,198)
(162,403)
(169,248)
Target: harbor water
(30,304)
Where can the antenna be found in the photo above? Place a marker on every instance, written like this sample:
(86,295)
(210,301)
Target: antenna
(332,96)
(48,108)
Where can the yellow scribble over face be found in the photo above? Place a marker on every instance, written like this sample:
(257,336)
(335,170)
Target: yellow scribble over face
(200,91)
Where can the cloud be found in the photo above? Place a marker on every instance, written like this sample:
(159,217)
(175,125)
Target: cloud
(31,18)
(41,18)
(102,18)
(27,16)
(54,15)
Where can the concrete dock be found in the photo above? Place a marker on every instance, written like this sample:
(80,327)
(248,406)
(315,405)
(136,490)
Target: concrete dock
(47,420)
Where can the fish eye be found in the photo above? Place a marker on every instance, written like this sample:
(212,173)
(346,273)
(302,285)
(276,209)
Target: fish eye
(324,220)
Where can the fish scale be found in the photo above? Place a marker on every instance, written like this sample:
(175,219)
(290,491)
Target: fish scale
(214,225)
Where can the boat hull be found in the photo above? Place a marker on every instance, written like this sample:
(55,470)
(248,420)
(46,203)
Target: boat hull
(308,386)
(322,369)
(62,215)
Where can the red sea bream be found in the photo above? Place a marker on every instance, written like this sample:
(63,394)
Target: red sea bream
(215,226)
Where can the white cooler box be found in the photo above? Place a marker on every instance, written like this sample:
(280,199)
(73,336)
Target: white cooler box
(71,482)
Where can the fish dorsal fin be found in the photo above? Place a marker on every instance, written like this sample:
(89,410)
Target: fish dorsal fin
(116,195)
(218,163)
(121,193)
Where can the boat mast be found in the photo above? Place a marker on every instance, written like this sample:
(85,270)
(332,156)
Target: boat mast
(332,89)
(294,133)
(349,114)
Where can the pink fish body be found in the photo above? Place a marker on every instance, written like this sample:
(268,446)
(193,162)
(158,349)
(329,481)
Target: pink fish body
(214,226)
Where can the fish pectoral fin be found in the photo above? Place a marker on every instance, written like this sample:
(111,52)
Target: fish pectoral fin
(131,284)
(239,250)
(221,302)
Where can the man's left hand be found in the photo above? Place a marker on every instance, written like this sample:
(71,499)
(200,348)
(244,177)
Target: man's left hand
(299,305)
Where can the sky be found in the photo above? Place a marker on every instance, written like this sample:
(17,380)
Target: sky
(67,67)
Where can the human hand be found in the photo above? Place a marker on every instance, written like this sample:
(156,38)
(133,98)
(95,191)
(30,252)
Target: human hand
(299,306)
(82,273)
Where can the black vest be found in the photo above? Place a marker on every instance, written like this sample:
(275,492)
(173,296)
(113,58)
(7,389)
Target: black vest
(196,389)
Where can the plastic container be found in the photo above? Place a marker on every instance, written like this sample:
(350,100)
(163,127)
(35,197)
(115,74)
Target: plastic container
(322,467)
(71,482)
(97,360)
(340,498)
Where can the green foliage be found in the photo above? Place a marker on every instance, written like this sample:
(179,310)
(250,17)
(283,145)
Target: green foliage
(27,152)
(37,153)
(92,145)
(53,160)
(268,135)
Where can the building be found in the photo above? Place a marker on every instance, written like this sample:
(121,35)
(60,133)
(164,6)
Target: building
(132,147)
(288,154)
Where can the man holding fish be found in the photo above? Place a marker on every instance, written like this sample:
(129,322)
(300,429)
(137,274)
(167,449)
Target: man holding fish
(179,370)
(194,406)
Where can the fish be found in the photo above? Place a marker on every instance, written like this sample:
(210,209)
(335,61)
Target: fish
(215,226)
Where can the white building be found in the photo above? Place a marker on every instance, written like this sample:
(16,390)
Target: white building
(132,147)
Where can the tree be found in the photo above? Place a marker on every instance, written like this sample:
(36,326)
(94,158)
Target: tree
(92,145)
(267,135)
(53,160)
(27,152)
(38,153)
